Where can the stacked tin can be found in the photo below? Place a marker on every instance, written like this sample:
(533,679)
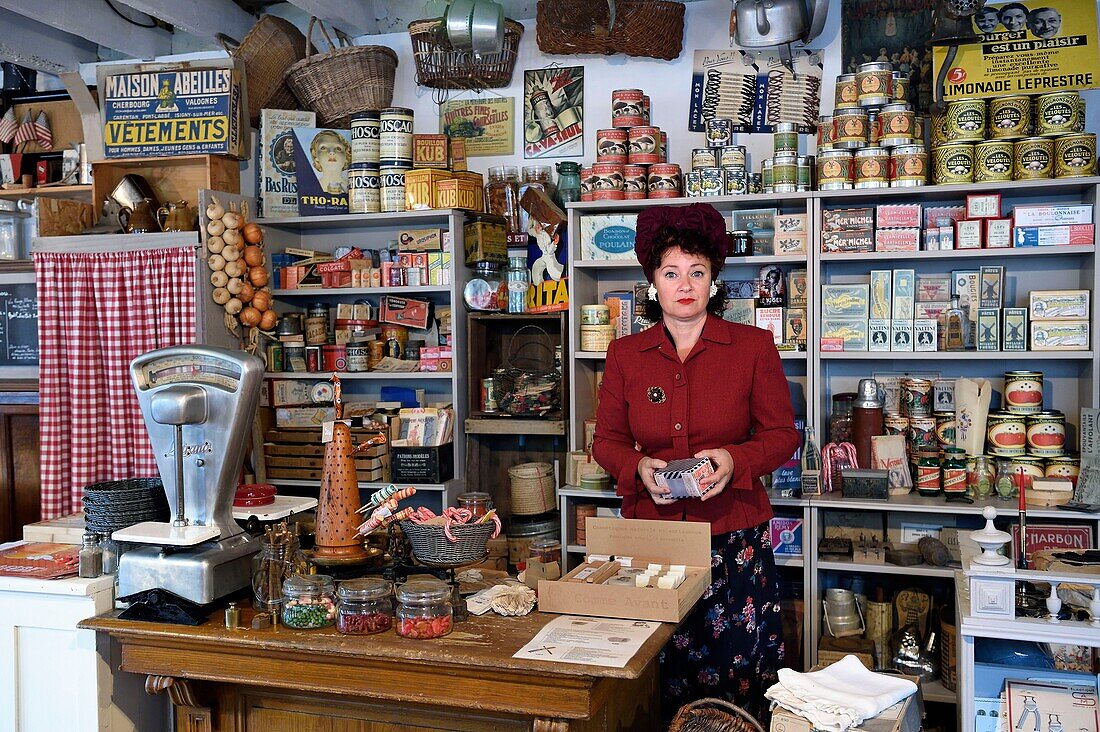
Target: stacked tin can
(786,171)
(631,156)
(364,180)
(395,156)
(1031,438)
(1012,138)
(720,168)
(873,138)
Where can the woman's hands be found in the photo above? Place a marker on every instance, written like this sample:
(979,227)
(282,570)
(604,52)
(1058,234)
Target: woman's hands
(646,466)
(722,475)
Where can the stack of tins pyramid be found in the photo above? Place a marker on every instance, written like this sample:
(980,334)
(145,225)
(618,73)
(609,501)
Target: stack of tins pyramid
(337,522)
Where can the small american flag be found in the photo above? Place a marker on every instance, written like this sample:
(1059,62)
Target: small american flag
(8,126)
(25,132)
(42,132)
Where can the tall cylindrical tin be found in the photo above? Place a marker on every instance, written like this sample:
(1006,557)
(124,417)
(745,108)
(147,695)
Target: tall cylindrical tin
(395,138)
(365,135)
(611,145)
(875,81)
(627,108)
(364,189)
(392,180)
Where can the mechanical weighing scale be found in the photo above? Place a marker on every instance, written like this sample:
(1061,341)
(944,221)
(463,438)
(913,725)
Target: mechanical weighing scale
(198,403)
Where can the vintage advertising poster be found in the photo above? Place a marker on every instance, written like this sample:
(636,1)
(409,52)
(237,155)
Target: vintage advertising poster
(488,125)
(278,185)
(321,160)
(1029,47)
(553,112)
(755,89)
(899,32)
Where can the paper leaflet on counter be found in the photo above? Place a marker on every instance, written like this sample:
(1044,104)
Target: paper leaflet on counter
(425,427)
(588,641)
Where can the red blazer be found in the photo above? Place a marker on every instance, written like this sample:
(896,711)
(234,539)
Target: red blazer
(730,392)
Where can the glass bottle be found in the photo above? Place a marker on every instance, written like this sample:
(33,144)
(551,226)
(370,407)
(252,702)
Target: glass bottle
(365,607)
(954,472)
(956,326)
(109,549)
(981,477)
(309,601)
(482,292)
(424,609)
(502,194)
(866,420)
(271,566)
(90,557)
(569,183)
(1005,485)
(517,278)
(840,422)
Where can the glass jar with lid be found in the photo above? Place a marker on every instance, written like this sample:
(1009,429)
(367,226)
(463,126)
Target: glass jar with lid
(569,183)
(502,194)
(840,421)
(366,606)
(953,473)
(476,502)
(546,550)
(981,477)
(271,567)
(517,278)
(482,292)
(424,609)
(309,601)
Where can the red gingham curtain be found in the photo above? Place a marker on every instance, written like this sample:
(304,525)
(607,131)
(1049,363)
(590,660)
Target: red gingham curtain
(97,311)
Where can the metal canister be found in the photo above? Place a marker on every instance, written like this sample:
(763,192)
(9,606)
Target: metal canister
(364,189)
(643,145)
(313,358)
(704,157)
(595,315)
(908,166)
(901,87)
(1023,392)
(693,183)
(1066,467)
(627,108)
(1059,113)
(1031,465)
(394,348)
(834,170)
(365,133)
(826,133)
(719,131)
(993,161)
(927,480)
(1006,434)
(274,352)
(732,155)
(634,182)
(785,173)
(488,401)
(1033,158)
(872,165)
(896,124)
(945,429)
(766,176)
(736,180)
(395,138)
(317,322)
(376,351)
(938,132)
(916,397)
(1010,117)
(611,145)
(1075,155)
(785,139)
(756,182)
(896,424)
(953,163)
(875,82)
(918,130)
(922,435)
(805,176)
(846,92)
(392,180)
(664,180)
(587,183)
(646,109)
(358,354)
(294,358)
(851,128)
(1046,433)
(607,182)
(874,127)
(966,120)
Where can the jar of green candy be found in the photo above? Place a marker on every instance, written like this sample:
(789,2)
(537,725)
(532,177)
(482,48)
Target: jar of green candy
(309,601)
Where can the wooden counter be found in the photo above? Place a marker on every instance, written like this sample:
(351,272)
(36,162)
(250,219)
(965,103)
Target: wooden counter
(284,679)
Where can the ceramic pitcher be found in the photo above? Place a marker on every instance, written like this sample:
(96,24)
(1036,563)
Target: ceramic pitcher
(176,216)
(140,219)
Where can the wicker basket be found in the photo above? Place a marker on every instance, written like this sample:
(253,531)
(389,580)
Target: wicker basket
(439,66)
(528,385)
(650,28)
(532,488)
(713,715)
(267,51)
(343,81)
(431,546)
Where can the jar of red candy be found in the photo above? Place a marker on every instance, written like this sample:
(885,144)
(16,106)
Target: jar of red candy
(424,609)
(365,606)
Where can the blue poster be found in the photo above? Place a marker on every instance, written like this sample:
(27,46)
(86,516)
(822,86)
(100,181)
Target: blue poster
(321,160)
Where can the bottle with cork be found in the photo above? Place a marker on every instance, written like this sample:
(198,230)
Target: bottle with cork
(867,418)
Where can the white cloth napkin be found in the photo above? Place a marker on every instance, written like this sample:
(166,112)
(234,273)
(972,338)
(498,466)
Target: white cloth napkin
(839,696)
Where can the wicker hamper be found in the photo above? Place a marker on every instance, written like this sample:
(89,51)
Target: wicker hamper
(343,81)
(439,66)
(267,51)
(651,28)
(532,488)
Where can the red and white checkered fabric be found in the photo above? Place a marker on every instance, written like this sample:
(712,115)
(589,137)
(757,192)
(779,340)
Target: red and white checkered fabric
(96,313)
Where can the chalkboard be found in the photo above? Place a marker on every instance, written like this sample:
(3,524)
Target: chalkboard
(18,321)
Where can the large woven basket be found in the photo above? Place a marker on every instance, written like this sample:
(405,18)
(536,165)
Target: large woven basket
(532,488)
(267,51)
(650,28)
(118,504)
(713,715)
(439,66)
(431,546)
(343,81)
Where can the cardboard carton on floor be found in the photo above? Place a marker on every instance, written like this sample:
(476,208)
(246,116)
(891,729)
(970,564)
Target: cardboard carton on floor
(664,542)
(905,716)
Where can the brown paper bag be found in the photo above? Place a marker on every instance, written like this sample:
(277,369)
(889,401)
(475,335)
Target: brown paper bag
(971,410)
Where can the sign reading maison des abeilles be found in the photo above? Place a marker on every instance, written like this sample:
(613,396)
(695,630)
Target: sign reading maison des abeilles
(174,111)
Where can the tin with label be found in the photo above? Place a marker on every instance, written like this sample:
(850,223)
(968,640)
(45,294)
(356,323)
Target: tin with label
(646,109)
(643,145)
(766,175)
(736,180)
(704,157)
(1075,155)
(805,172)
(1059,113)
(1023,392)
(1065,467)
(712,182)
(908,166)
(851,128)
(395,138)
(874,127)
(954,471)
(945,429)
(488,400)
(826,133)
(1031,465)
(966,120)
(376,351)
(392,180)
(732,155)
(664,180)
(901,87)
(334,357)
(875,82)
(872,165)
(916,397)
(993,161)
(595,315)
(1010,117)
(846,92)
(896,124)
(274,352)
(896,424)
(953,163)
(607,182)
(313,358)
(364,189)
(1006,434)
(634,182)
(365,133)
(785,174)
(693,184)
(1046,433)
(938,131)
(834,170)
(358,353)
(928,476)
(922,435)
(719,131)
(785,139)
(587,183)
(1033,158)
(611,145)
(627,108)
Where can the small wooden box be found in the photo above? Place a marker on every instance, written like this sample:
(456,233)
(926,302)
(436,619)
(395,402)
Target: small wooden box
(430,151)
(422,188)
(459,193)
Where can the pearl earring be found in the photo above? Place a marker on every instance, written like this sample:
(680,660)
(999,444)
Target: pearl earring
(713,289)
(652,292)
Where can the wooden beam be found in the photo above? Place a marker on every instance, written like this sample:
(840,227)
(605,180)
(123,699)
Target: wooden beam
(202,18)
(354,17)
(95,22)
(37,46)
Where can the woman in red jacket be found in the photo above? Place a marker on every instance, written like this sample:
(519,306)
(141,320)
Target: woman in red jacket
(694,385)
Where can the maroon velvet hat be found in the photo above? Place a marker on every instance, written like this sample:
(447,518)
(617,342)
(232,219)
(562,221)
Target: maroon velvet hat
(699,217)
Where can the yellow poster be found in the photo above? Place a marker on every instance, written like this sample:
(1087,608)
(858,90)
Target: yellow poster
(1029,47)
(487,124)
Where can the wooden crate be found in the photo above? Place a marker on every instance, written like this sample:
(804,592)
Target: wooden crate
(300,454)
(172,179)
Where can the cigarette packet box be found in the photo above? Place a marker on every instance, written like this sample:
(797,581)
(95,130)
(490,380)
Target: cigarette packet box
(901,335)
(847,219)
(1058,304)
(898,216)
(1059,335)
(656,542)
(844,301)
(925,333)
(1052,215)
(878,334)
(897,240)
(1052,236)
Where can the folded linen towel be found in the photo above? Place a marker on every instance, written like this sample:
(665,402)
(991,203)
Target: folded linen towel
(839,696)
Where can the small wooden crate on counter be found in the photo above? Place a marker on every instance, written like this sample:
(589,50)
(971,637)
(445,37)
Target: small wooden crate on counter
(299,454)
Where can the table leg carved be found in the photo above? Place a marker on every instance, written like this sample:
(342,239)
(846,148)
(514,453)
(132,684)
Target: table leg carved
(190,717)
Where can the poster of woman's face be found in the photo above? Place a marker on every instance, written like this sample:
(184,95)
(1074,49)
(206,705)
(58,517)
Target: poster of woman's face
(331,156)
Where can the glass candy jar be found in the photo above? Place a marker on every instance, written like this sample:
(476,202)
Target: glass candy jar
(1006,481)
(569,183)
(271,566)
(502,194)
(309,601)
(424,609)
(482,292)
(840,421)
(517,278)
(365,607)
(981,477)
(477,502)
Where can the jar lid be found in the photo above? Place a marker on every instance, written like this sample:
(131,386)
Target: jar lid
(954,450)
(423,592)
(367,588)
(520,262)
(302,584)
(472,496)
(545,543)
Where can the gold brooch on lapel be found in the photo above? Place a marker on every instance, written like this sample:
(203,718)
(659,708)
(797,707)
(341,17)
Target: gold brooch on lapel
(656,394)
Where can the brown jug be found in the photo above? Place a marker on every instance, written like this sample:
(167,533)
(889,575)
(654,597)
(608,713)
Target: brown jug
(176,216)
(140,219)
